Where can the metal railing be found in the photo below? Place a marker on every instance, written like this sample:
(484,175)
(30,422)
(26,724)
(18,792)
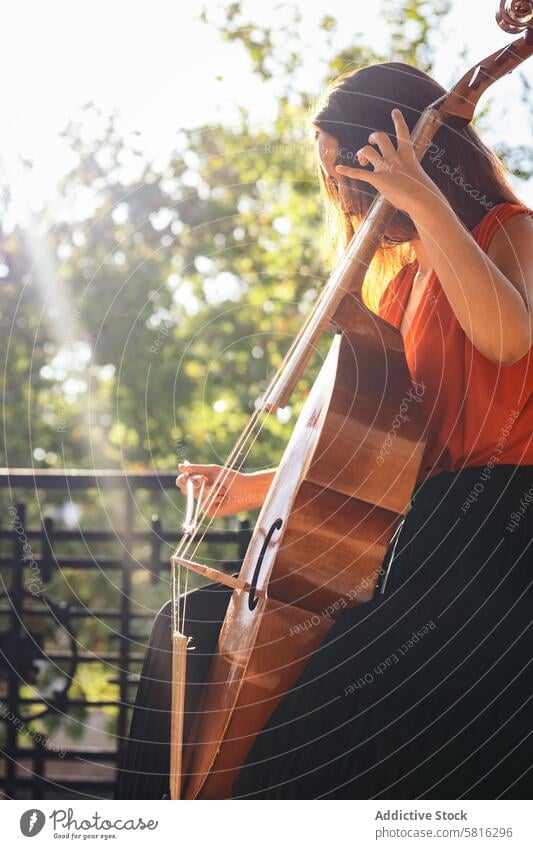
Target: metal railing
(33,766)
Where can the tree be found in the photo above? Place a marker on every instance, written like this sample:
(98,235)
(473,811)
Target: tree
(145,311)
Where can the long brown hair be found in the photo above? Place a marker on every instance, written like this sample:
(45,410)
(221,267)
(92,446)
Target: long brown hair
(357,103)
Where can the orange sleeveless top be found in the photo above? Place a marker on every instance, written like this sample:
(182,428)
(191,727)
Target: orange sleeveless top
(478,413)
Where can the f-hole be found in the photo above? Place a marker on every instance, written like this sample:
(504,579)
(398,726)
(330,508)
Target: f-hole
(252,598)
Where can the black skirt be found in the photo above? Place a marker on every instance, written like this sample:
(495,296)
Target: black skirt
(423,692)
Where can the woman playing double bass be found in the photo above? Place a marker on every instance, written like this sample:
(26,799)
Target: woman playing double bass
(425,690)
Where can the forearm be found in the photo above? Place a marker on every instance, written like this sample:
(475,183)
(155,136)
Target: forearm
(247,491)
(260,481)
(489,308)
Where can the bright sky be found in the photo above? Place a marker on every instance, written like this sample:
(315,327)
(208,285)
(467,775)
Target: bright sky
(157,65)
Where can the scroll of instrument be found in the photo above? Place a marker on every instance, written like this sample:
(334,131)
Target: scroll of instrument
(332,508)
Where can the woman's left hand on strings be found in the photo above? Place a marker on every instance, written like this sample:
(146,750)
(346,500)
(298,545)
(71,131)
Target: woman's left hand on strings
(397,174)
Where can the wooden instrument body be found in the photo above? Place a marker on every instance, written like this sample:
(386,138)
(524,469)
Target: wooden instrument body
(342,486)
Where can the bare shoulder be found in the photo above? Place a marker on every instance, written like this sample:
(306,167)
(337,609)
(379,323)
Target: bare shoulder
(511,250)
(514,234)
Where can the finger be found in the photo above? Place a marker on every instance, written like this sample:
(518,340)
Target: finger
(403,136)
(182,486)
(369,154)
(190,467)
(356,173)
(384,144)
(215,500)
(183,479)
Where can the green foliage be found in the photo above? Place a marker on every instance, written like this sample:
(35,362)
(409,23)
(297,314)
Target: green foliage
(144,311)
(414,27)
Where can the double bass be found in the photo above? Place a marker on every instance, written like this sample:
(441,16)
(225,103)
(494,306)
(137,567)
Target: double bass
(342,487)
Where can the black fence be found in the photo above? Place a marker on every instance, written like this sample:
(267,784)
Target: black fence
(44,650)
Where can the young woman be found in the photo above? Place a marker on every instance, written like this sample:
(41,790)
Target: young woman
(425,691)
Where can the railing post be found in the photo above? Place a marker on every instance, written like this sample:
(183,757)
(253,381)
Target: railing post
(243,538)
(155,559)
(46,551)
(16,594)
(125,616)
(38,770)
